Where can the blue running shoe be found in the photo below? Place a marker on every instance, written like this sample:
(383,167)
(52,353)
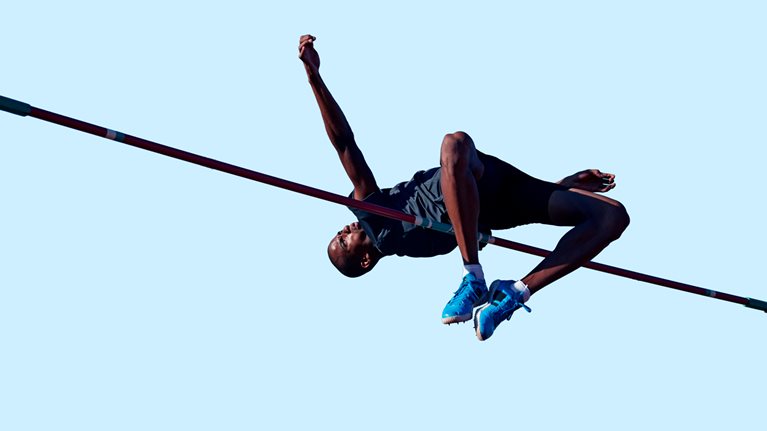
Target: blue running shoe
(471,293)
(504,300)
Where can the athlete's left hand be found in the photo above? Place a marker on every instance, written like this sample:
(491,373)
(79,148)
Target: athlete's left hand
(590,180)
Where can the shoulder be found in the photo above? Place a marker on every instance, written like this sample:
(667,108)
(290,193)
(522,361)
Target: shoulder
(378,197)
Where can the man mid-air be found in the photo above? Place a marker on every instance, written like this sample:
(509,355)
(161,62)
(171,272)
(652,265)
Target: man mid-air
(474,192)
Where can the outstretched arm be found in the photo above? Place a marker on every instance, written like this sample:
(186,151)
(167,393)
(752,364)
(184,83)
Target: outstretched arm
(338,129)
(590,180)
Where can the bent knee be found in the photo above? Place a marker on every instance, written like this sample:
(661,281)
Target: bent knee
(457,148)
(461,136)
(615,220)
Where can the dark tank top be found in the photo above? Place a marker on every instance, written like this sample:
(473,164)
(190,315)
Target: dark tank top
(421,196)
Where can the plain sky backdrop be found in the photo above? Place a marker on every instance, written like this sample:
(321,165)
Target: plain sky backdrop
(138,292)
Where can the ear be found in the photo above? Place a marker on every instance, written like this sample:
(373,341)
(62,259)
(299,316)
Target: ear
(366,261)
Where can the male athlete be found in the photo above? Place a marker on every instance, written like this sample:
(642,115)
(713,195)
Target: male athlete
(474,192)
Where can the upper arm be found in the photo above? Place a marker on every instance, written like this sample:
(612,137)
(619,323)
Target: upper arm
(357,169)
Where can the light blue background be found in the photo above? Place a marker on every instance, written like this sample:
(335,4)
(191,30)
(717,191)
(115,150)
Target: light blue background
(138,292)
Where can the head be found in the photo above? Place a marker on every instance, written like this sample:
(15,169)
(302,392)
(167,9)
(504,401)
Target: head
(352,252)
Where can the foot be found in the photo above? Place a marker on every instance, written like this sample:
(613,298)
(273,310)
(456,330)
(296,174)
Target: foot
(471,293)
(504,300)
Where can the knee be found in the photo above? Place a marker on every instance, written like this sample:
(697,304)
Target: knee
(615,221)
(456,150)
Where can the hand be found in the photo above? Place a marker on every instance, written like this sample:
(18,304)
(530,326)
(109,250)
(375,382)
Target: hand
(308,54)
(590,180)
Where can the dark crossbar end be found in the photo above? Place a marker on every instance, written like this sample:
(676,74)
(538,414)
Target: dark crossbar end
(14,106)
(757,304)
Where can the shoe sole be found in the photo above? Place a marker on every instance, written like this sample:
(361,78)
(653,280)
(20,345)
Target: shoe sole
(493,286)
(456,319)
(476,323)
(465,317)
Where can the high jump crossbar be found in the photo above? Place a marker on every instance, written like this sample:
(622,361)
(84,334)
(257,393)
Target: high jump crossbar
(24,109)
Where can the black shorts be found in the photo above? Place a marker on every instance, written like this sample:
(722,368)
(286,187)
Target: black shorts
(509,197)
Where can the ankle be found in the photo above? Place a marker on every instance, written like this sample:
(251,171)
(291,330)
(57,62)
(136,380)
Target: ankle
(522,288)
(475,269)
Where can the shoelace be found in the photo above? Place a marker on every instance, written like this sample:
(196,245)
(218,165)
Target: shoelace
(506,313)
(458,295)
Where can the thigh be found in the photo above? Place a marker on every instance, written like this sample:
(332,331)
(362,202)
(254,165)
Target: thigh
(510,197)
(570,207)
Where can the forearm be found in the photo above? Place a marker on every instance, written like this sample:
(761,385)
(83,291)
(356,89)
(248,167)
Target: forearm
(337,127)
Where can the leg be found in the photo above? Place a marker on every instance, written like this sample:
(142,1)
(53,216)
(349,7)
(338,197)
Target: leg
(597,222)
(461,169)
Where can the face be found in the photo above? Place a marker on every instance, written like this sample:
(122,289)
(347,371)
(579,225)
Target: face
(350,242)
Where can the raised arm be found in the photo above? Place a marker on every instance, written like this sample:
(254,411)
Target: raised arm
(338,129)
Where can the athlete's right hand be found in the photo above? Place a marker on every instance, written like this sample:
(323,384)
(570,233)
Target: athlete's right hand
(308,54)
